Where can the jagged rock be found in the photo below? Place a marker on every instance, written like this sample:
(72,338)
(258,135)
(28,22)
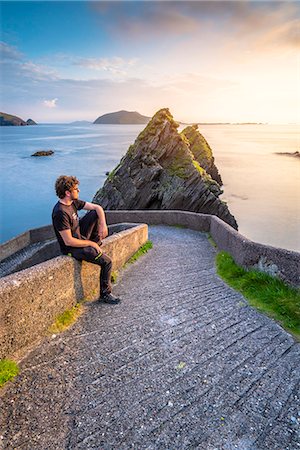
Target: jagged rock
(43,153)
(202,151)
(30,122)
(159,171)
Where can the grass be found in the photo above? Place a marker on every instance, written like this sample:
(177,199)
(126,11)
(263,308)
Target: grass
(179,226)
(211,241)
(66,319)
(8,370)
(114,276)
(141,251)
(266,293)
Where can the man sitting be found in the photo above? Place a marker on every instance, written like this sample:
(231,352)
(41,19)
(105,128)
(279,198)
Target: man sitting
(81,238)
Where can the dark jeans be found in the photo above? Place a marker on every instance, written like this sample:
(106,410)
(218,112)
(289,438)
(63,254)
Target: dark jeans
(89,229)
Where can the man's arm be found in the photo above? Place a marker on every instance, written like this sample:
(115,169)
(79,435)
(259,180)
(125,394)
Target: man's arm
(103,227)
(71,241)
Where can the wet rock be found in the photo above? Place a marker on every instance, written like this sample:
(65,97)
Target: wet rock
(43,153)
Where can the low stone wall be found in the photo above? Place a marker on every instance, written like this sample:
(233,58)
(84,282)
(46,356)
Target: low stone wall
(32,298)
(282,263)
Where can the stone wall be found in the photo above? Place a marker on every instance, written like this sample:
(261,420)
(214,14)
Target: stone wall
(282,263)
(31,299)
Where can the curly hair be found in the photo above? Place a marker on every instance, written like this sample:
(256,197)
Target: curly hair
(65,183)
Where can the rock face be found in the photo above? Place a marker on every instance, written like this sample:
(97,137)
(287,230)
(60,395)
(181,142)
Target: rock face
(122,117)
(9,120)
(202,152)
(159,171)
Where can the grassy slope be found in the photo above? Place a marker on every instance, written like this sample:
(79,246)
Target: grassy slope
(269,295)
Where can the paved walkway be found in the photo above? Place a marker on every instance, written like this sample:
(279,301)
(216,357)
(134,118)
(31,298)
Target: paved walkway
(182,363)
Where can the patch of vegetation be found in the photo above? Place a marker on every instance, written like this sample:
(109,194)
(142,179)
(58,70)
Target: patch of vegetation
(266,293)
(114,276)
(130,150)
(199,168)
(113,172)
(211,241)
(179,226)
(8,370)
(212,185)
(198,145)
(66,319)
(180,165)
(141,251)
(159,118)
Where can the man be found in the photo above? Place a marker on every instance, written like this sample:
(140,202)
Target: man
(81,238)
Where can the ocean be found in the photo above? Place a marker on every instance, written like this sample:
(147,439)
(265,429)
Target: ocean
(262,188)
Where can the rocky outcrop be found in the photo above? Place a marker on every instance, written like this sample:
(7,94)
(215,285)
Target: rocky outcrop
(30,122)
(159,171)
(43,153)
(202,151)
(295,154)
(122,117)
(10,120)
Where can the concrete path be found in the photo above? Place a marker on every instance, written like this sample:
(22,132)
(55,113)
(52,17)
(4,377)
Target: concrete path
(182,363)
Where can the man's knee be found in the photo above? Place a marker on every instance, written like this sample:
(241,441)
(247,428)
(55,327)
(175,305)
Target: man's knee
(85,254)
(94,215)
(106,261)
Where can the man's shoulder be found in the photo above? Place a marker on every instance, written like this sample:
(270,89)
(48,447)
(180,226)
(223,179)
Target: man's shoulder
(79,204)
(56,207)
(59,208)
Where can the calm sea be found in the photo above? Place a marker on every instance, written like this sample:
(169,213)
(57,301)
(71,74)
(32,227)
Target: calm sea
(262,189)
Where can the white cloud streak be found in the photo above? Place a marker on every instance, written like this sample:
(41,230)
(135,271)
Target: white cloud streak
(115,65)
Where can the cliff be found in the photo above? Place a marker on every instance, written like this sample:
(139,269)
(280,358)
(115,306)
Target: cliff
(10,120)
(122,117)
(202,151)
(159,171)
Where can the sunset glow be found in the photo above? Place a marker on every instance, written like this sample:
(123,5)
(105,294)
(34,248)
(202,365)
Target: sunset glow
(206,61)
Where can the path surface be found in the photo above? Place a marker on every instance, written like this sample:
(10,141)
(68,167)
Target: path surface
(182,363)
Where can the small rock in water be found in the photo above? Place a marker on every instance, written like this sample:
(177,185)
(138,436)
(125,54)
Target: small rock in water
(43,153)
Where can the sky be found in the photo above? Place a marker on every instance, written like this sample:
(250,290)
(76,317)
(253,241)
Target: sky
(207,61)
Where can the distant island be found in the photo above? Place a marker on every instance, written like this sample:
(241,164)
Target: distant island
(295,154)
(10,120)
(80,122)
(123,118)
(232,123)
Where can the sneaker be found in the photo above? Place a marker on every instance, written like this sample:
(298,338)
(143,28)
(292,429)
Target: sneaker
(109,298)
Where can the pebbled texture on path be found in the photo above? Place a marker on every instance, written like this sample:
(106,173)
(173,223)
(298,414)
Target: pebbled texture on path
(182,363)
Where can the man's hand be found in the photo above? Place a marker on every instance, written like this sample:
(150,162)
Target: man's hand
(71,241)
(103,231)
(95,246)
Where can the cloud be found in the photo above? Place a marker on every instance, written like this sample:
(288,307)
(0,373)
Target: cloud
(150,21)
(9,52)
(50,103)
(115,65)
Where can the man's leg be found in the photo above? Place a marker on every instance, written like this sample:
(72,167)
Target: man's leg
(89,226)
(90,254)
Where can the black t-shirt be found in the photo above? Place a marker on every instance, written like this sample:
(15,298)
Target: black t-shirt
(65,217)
